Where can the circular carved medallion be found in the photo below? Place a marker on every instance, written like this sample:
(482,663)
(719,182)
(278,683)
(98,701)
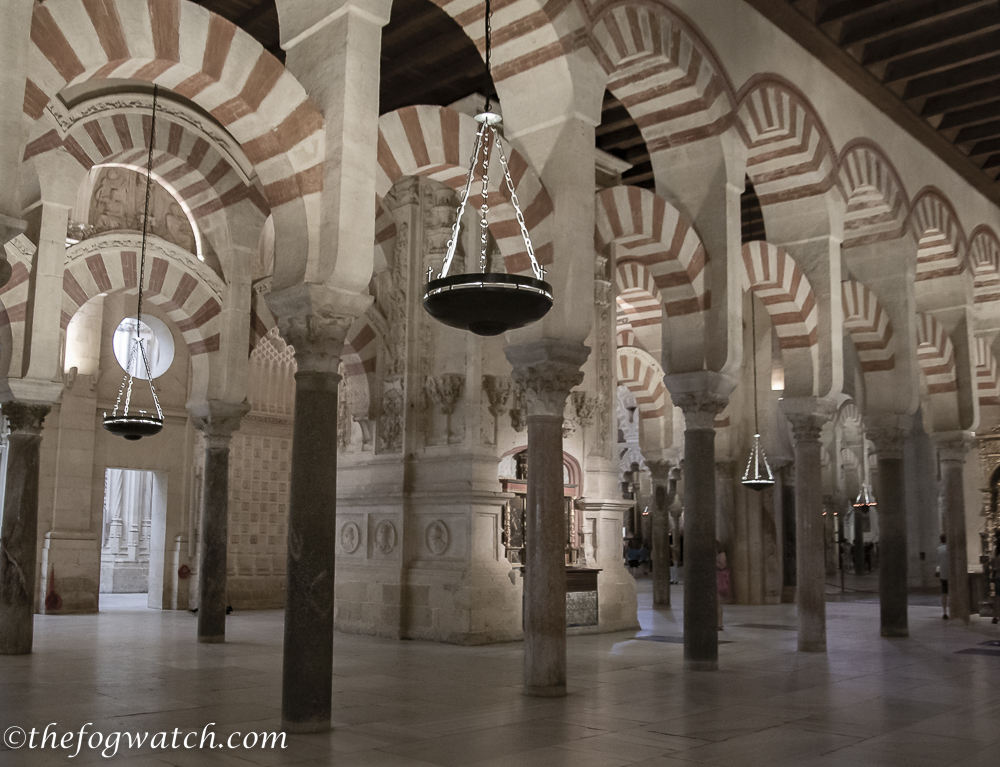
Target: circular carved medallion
(438,538)
(385,536)
(350,537)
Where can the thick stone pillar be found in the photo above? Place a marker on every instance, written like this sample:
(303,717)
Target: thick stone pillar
(701,396)
(314,319)
(889,435)
(19,534)
(217,421)
(952,447)
(546,371)
(807,418)
(663,497)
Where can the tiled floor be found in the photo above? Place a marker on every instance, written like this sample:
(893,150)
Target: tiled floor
(868,701)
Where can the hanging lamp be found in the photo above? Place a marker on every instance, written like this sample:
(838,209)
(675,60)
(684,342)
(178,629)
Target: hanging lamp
(758,473)
(487,303)
(865,497)
(124,421)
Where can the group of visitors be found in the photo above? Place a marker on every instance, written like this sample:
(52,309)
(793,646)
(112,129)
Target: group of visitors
(992,575)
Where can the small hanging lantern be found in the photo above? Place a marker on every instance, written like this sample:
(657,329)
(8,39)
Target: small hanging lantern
(487,303)
(865,497)
(123,421)
(758,474)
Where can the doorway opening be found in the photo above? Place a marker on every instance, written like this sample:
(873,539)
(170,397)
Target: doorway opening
(126,541)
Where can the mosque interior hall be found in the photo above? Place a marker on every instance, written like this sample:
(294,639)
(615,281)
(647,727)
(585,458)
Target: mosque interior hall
(500,383)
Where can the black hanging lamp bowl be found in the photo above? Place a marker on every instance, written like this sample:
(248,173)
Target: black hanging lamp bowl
(489,303)
(133,427)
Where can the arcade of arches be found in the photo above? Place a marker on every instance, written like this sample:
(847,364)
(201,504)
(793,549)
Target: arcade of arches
(731,230)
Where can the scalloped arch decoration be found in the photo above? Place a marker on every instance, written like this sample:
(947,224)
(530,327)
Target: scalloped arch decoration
(936,355)
(877,205)
(987,375)
(642,376)
(984,254)
(784,290)
(941,243)
(869,326)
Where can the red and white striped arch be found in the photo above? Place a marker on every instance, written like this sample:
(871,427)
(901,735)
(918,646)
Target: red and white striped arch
(14,303)
(639,303)
(935,355)
(941,245)
(639,372)
(663,73)
(625,336)
(655,235)
(185,289)
(201,56)
(436,142)
(984,253)
(876,200)
(869,326)
(188,162)
(987,375)
(790,153)
(784,290)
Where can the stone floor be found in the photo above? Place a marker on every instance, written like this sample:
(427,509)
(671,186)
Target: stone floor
(920,702)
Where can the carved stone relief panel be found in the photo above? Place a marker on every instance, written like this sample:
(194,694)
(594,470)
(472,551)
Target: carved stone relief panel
(437,537)
(385,537)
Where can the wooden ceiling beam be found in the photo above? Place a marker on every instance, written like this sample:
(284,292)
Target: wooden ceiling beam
(977,132)
(893,20)
(961,27)
(963,117)
(844,10)
(255,13)
(966,97)
(951,79)
(941,59)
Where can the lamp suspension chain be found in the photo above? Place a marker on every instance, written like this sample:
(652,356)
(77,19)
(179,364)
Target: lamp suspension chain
(753,333)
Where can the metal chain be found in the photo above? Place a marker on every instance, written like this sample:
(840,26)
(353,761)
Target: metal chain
(484,225)
(487,78)
(453,242)
(535,266)
(149,376)
(145,213)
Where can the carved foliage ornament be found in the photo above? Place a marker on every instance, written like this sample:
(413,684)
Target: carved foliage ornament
(700,409)
(546,386)
(25,419)
(318,339)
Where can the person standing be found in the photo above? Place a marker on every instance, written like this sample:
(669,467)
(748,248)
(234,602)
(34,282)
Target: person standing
(942,556)
(721,577)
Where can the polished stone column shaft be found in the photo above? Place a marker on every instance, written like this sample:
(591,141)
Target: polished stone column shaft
(218,421)
(660,554)
(19,534)
(889,436)
(810,562)
(952,447)
(701,599)
(546,371)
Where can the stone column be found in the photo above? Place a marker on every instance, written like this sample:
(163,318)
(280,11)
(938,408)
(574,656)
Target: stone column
(217,421)
(701,396)
(663,496)
(546,371)
(888,433)
(807,418)
(314,320)
(952,447)
(19,534)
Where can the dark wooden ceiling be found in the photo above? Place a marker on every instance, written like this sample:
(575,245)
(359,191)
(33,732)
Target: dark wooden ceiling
(931,65)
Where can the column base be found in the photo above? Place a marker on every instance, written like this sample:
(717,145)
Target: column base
(306,728)
(701,665)
(894,633)
(215,639)
(812,646)
(556,691)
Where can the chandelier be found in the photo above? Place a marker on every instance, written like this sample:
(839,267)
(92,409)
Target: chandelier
(487,303)
(865,497)
(123,421)
(758,473)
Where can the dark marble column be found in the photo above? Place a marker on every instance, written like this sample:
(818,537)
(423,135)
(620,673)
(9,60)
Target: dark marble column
(701,600)
(952,447)
(310,321)
(546,371)
(19,535)
(663,496)
(217,420)
(889,435)
(807,418)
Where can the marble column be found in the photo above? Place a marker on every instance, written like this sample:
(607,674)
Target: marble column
(19,534)
(701,600)
(217,421)
(545,371)
(315,321)
(952,447)
(663,496)
(807,418)
(889,433)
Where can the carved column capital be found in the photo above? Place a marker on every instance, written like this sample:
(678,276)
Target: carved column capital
(807,416)
(497,392)
(953,445)
(700,409)
(546,371)
(314,320)
(445,391)
(217,420)
(659,469)
(25,417)
(888,432)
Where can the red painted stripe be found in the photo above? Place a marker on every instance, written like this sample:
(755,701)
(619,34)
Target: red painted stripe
(54,46)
